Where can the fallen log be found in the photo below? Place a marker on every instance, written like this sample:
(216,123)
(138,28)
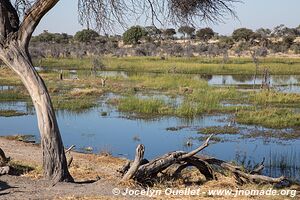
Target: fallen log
(140,171)
(3,159)
(252,177)
(144,171)
(4,168)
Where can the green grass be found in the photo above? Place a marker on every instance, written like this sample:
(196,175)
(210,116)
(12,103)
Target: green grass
(218,130)
(167,82)
(73,104)
(201,65)
(13,95)
(67,63)
(206,101)
(144,106)
(282,135)
(11,113)
(270,117)
(274,98)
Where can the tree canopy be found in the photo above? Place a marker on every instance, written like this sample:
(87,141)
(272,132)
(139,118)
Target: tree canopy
(134,34)
(242,34)
(86,35)
(205,34)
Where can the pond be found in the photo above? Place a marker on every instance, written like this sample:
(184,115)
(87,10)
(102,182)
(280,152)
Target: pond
(119,134)
(282,83)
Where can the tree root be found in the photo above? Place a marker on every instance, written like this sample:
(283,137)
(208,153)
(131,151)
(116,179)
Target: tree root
(142,170)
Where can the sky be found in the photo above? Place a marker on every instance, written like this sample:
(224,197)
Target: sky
(254,14)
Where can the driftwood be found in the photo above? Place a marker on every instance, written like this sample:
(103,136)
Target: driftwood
(68,151)
(139,171)
(4,168)
(143,170)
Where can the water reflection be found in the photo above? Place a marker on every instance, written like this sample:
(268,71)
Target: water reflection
(281,83)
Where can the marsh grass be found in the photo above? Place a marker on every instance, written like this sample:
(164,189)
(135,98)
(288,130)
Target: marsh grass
(272,97)
(11,113)
(150,106)
(270,117)
(203,65)
(13,95)
(277,134)
(219,130)
(73,104)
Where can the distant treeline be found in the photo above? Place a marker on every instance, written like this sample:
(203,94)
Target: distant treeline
(151,41)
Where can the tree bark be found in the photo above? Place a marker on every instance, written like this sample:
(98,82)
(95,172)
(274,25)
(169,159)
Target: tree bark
(54,159)
(136,163)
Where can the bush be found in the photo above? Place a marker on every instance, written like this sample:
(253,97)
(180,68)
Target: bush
(86,36)
(133,35)
(205,34)
(242,34)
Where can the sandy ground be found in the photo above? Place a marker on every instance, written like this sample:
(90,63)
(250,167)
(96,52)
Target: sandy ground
(85,169)
(28,187)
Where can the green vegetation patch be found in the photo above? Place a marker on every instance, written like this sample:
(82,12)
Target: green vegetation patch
(13,95)
(219,130)
(275,98)
(144,106)
(269,117)
(282,135)
(11,113)
(203,65)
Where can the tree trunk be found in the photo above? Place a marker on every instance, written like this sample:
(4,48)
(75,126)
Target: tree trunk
(54,159)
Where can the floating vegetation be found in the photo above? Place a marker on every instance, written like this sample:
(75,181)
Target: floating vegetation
(276,134)
(103,114)
(176,128)
(219,130)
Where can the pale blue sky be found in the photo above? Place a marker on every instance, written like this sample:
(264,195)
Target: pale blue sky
(252,14)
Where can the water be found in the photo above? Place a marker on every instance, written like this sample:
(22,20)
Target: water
(6,87)
(118,134)
(282,83)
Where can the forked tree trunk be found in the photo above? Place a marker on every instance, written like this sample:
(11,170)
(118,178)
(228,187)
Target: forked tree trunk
(54,159)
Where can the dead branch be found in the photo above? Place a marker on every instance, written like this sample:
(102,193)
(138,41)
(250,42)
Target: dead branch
(3,159)
(70,149)
(152,168)
(143,171)
(136,163)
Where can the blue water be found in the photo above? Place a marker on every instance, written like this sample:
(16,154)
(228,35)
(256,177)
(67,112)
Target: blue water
(115,133)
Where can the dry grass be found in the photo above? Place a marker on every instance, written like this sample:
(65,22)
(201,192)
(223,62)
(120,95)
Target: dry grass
(78,92)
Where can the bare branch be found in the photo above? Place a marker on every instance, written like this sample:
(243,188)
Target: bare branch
(103,14)
(194,152)
(32,19)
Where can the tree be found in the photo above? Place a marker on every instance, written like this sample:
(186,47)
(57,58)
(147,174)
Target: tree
(134,34)
(264,32)
(186,31)
(169,33)
(86,35)
(242,34)
(205,34)
(288,40)
(153,32)
(16,34)
(51,37)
